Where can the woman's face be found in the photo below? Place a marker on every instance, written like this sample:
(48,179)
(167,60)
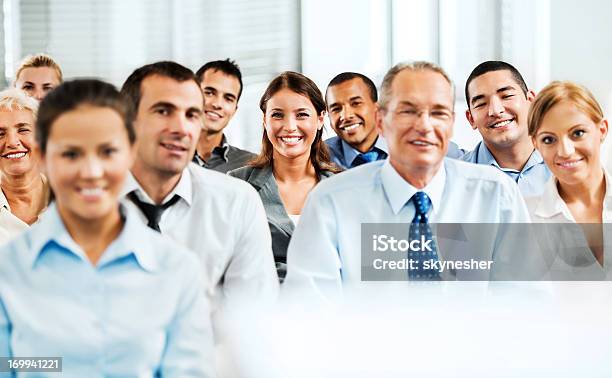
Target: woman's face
(87,160)
(19,153)
(291,123)
(37,81)
(570,143)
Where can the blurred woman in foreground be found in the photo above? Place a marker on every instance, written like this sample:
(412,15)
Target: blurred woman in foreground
(89,282)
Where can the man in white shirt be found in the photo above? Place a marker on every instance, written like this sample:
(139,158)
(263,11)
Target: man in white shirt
(416,118)
(220,218)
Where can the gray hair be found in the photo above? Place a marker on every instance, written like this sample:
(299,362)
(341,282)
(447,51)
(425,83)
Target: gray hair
(13,98)
(385,90)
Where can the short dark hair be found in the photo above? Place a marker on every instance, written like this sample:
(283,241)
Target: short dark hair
(227,66)
(72,94)
(302,85)
(494,65)
(346,76)
(131,91)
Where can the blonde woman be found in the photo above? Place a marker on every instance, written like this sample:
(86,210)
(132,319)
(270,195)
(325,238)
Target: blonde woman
(24,190)
(567,126)
(37,75)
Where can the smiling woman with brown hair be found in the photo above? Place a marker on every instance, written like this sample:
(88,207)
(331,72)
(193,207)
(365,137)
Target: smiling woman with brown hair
(25,192)
(293,157)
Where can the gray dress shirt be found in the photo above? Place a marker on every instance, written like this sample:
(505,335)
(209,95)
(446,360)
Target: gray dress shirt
(225,158)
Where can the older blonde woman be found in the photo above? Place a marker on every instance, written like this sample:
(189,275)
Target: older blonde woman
(25,192)
(567,126)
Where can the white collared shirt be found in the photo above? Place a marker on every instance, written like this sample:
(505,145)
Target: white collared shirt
(566,249)
(325,250)
(223,221)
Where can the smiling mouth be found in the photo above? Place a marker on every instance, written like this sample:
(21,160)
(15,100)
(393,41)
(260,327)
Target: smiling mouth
(213,115)
(500,124)
(291,140)
(421,143)
(569,163)
(14,155)
(350,127)
(91,194)
(173,147)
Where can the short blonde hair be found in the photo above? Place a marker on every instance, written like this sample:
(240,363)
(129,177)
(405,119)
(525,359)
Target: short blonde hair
(39,60)
(16,99)
(559,91)
(387,83)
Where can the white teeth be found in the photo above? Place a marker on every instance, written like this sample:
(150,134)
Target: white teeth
(18,155)
(351,127)
(501,124)
(421,143)
(91,191)
(213,115)
(569,164)
(291,140)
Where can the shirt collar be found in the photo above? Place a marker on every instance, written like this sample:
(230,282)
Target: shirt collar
(399,191)
(132,240)
(351,153)
(221,150)
(3,201)
(485,156)
(183,189)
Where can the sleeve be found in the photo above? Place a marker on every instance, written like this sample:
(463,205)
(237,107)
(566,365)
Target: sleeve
(251,273)
(189,348)
(313,262)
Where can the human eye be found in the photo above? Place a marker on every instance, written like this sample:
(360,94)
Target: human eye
(479,105)
(162,111)
(547,139)
(70,154)
(578,133)
(276,115)
(356,103)
(334,109)
(509,95)
(440,114)
(24,130)
(302,115)
(27,87)
(109,151)
(194,115)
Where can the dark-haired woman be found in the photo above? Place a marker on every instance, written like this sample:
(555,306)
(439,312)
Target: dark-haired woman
(293,157)
(89,282)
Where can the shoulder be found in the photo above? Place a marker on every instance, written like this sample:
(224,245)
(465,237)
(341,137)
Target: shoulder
(242,173)
(460,170)
(207,182)
(469,156)
(360,178)
(240,153)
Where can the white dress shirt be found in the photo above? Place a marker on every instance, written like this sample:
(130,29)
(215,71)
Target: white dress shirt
(325,251)
(223,221)
(566,248)
(10,225)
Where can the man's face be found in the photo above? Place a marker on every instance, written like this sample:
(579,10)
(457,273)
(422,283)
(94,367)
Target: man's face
(352,112)
(167,124)
(498,109)
(220,99)
(418,121)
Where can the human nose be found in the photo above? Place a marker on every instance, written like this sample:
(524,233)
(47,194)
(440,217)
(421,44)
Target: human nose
(39,94)
(346,113)
(566,148)
(495,106)
(423,122)
(12,139)
(92,168)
